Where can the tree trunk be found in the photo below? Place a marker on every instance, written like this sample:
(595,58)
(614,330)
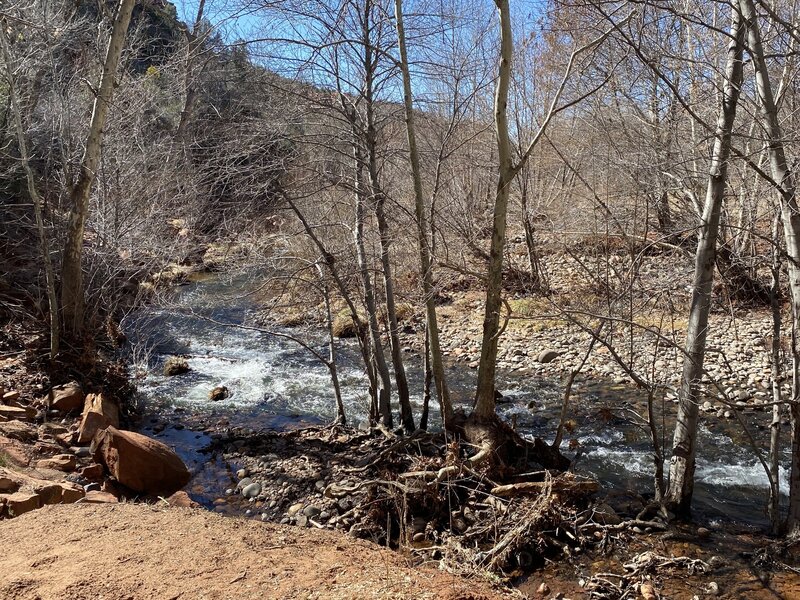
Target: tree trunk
(363,340)
(791,227)
(484,397)
(194,43)
(381,368)
(436,362)
(341,418)
(72,293)
(682,464)
(773,508)
(44,245)
(404,400)
(427,377)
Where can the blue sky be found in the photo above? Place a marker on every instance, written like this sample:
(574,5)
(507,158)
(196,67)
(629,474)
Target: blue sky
(229,15)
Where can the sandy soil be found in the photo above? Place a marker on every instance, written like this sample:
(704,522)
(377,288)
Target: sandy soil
(126,551)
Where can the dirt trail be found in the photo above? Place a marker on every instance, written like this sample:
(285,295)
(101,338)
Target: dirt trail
(127,551)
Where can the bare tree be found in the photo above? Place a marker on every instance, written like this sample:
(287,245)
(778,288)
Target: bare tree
(433,351)
(682,463)
(72,292)
(44,244)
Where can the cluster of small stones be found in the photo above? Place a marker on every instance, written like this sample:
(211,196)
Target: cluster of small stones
(287,489)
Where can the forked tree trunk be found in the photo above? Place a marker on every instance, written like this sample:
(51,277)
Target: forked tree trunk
(44,245)
(682,463)
(72,293)
(484,397)
(791,227)
(432,336)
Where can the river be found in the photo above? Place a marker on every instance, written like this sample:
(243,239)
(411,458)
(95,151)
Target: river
(276,384)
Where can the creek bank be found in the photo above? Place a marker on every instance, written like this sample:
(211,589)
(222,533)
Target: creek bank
(157,552)
(50,455)
(558,542)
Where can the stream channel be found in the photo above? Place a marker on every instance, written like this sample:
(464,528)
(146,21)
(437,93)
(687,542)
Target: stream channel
(276,384)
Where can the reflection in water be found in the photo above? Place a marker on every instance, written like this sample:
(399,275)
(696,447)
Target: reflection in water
(273,381)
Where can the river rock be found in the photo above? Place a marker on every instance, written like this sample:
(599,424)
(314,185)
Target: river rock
(60,462)
(176,365)
(182,500)
(17,413)
(312,511)
(606,515)
(17,430)
(7,484)
(252,490)
(294,509)
(219,393)
(647,591)
(99,412)
(712,589)
(67,397)
(98,497)
(547,356)
(140,463)
(93,472)
(19,503)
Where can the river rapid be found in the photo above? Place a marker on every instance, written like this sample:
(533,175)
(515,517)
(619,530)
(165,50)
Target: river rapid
(274,383)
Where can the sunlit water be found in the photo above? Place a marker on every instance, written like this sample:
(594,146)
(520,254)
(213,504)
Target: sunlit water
(275,383)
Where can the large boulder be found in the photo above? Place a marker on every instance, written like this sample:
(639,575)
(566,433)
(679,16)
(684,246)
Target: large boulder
(66,398)
(99,412)
(140,463)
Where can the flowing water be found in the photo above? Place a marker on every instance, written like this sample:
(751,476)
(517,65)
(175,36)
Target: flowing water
(276,384)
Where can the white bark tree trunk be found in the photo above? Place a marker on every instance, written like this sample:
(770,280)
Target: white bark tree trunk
(484,397)
(432,335)
(72,293)
(682,464)
(791,227)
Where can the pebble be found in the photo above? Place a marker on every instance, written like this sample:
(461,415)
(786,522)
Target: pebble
(241,473)
(712,589)
(311,511)
(252,490)
(543,589)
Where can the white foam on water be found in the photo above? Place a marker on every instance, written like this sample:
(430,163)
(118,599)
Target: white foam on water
(739,474)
